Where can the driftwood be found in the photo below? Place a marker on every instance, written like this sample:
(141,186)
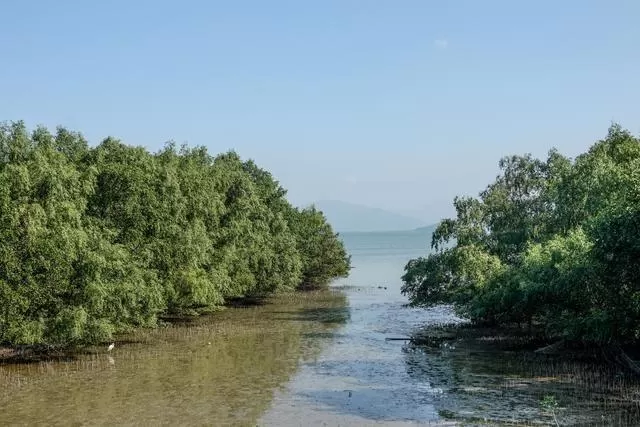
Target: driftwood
(422,341)
(552,348)
(629,363)
(619,357)
(613,354)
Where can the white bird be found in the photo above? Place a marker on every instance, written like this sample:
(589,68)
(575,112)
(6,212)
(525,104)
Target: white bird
(111,347)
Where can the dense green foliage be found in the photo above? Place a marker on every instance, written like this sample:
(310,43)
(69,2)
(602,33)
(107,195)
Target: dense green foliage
(552,242)
(94,241)
(316,241)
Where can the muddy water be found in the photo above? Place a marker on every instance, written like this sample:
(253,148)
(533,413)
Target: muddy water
(360,378)
(221,370)
(316,360)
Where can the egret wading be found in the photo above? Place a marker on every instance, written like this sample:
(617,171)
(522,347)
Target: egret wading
(111,346)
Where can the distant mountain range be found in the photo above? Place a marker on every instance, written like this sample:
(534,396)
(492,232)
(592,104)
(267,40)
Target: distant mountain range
(428,230)
(346,217)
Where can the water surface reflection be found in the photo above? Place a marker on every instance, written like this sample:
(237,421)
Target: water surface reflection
(219,370)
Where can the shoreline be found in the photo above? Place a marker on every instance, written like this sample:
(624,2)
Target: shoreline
(35,353)
(527,343)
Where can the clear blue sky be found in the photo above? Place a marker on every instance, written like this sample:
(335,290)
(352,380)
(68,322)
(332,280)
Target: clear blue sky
(393,104)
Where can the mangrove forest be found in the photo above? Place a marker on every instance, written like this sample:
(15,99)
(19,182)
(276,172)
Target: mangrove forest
(95,241)
(552,244)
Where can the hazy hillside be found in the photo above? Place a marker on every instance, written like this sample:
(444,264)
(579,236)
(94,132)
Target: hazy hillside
(427,230)
(345,216)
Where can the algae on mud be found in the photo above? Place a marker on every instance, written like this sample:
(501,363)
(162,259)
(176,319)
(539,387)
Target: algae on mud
(491,376)
(221,369)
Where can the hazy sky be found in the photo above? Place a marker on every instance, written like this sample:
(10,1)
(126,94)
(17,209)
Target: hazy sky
(395,104)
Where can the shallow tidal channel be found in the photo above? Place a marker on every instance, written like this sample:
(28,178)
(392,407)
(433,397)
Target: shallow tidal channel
(222,369)
(317,359)
(312,359)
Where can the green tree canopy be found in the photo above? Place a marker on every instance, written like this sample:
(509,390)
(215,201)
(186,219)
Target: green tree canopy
(550,241)
(95,241)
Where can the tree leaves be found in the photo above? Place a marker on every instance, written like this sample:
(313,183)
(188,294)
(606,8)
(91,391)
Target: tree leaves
(323,254)
(553,241)
(95,241)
